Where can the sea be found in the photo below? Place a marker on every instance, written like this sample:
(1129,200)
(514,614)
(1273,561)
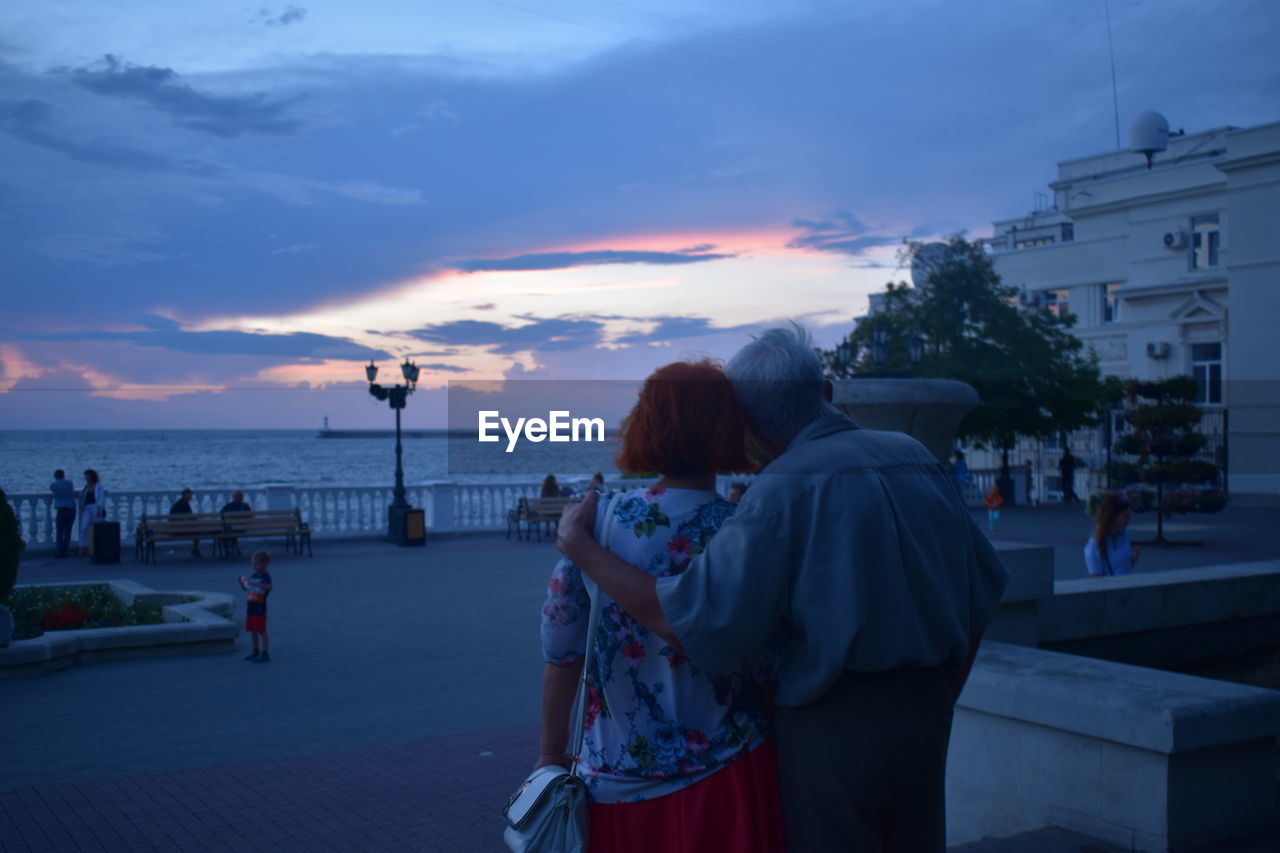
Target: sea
(130,460)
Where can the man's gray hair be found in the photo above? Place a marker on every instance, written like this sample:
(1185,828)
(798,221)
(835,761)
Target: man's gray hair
(778,378)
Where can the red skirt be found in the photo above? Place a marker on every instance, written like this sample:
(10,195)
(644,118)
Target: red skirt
(255,623)
(737,809)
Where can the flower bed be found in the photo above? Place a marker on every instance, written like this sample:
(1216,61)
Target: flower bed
(37,609)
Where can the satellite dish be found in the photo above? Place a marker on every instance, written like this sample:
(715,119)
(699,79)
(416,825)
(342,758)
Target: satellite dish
(1148,134)
(927,260)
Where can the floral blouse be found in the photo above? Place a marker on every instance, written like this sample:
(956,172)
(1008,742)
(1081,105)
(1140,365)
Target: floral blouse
(638,744)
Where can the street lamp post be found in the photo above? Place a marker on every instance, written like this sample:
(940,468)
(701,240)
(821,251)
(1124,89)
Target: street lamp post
(399,514)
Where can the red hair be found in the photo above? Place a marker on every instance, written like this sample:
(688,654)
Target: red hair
(687,421)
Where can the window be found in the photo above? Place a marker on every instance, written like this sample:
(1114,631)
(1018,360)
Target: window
(1028,242)
(1111,303)
(1204,241)
(1068,232)
(1206,367)
(1055,302)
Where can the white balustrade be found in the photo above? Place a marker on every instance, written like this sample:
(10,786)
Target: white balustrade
(330,510)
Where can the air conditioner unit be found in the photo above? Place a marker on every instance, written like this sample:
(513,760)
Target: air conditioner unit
(1176,239)
(1158,349)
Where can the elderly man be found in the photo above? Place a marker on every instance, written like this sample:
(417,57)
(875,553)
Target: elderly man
(855,543)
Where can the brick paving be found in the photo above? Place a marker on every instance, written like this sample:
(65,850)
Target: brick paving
(398,713)
(435,794)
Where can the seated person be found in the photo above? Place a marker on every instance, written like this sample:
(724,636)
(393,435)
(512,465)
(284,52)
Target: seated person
(182,506)
(236,504)
(1108,551)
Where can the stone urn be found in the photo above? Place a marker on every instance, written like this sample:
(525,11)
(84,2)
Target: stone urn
(928,410)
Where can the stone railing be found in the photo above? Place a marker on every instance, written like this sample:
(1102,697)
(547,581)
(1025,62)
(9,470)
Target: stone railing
(330,510)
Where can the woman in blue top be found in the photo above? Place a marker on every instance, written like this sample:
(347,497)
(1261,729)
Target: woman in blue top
(1109,551)
(674,759)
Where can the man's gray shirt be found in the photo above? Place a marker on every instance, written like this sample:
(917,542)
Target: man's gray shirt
(857,543)
(64,494)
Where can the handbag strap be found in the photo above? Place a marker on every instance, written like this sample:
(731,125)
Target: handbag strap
(580,701)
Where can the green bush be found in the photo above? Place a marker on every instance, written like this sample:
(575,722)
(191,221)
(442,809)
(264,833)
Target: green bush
(1181,388)
(1131,445)
(1210,500)
(37,609)
(1095,500)
(1165,418)
(1140,499)
(1179,500)
(11,547)
(1125,473)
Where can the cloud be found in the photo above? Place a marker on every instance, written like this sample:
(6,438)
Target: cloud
(673,328)
(439,365)
(568,260)
(843,233)
(291,15)
(31,121)
(161,88)
(568,332)
(163,333)
(557,333)
(101,250)
(296,248)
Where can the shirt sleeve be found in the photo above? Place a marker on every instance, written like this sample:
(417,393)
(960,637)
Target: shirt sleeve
(727,602)
(1093,558)
(565,613)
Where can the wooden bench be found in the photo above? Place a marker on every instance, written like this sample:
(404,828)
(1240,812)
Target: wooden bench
(223,529)
(179,527)
(265,523)
(534,513)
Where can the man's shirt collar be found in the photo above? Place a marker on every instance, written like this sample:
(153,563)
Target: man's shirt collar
(825,425)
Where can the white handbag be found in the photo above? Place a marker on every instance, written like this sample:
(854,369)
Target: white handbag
(548,812)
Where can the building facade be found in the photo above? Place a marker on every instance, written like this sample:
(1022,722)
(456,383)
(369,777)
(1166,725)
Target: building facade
(1170,268)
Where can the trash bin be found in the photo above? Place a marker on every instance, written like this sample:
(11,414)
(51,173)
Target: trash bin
(104,542)
(407,526)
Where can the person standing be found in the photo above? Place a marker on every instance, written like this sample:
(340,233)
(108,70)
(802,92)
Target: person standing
(257,587)
(662,740)
(64,506)
(93,507)
(1067,469)
(960,472)
(857,544)
(993,501)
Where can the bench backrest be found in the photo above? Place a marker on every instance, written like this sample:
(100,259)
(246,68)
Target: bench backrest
(548,507)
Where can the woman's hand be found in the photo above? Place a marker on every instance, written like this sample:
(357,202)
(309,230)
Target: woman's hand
(577,526)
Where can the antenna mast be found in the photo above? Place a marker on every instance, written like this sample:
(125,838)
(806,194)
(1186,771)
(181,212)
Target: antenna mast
(1115,96)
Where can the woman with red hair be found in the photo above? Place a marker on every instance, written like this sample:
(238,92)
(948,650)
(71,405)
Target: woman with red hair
(674,760)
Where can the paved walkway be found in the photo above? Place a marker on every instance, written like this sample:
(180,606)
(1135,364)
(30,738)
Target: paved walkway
(398,713)
(1243,532)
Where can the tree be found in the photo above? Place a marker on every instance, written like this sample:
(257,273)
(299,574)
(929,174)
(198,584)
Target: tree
(1033,376)
(1164,439)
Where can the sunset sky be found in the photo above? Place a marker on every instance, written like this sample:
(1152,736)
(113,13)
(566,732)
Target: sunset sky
(214,213)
